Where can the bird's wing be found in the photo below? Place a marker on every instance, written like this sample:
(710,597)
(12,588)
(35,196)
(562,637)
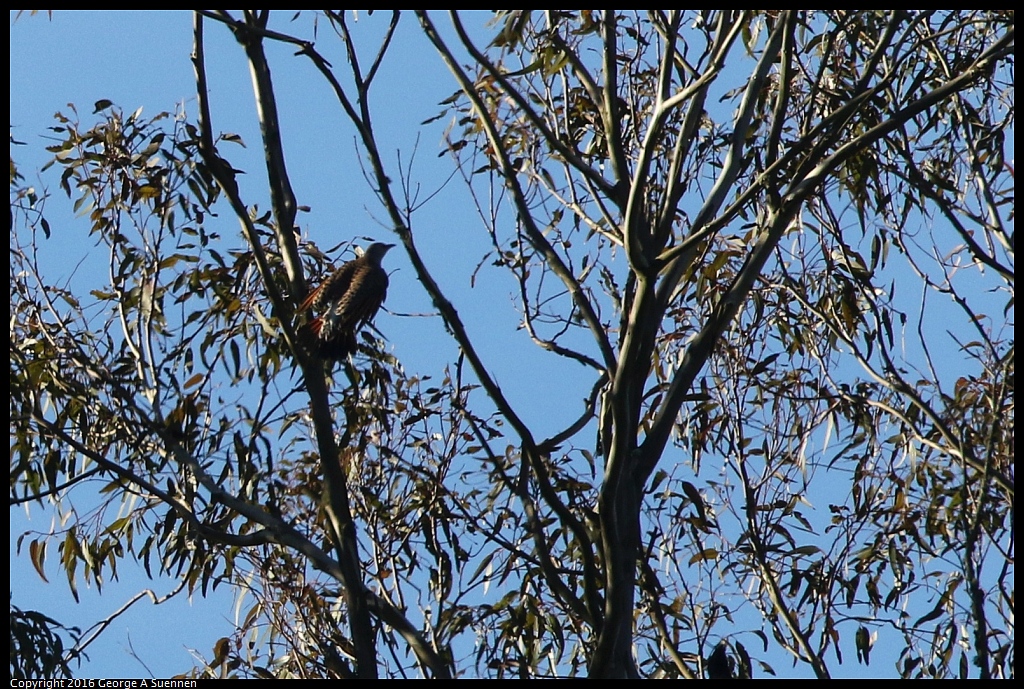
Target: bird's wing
(332,288)
(365,294)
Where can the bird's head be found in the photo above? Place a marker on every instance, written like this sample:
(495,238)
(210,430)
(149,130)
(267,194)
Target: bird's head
(375,252)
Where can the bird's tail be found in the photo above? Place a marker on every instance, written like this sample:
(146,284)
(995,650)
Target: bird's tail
(332,343)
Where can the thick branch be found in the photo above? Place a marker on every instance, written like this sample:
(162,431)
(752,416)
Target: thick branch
(802,188)
(335,487)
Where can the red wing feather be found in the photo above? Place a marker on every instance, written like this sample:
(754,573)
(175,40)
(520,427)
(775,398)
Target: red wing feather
(309,299)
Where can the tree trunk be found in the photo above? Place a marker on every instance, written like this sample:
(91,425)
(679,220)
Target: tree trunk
(620,529)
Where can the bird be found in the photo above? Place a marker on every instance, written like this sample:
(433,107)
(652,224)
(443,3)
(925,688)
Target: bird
(349,299)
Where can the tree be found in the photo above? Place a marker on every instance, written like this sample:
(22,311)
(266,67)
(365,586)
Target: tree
(764,236)
(37,649)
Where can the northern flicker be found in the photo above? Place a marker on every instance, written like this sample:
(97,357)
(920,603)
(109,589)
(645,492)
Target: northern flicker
(349,298)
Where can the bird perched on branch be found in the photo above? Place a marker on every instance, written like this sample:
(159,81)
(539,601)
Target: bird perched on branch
(349,298)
